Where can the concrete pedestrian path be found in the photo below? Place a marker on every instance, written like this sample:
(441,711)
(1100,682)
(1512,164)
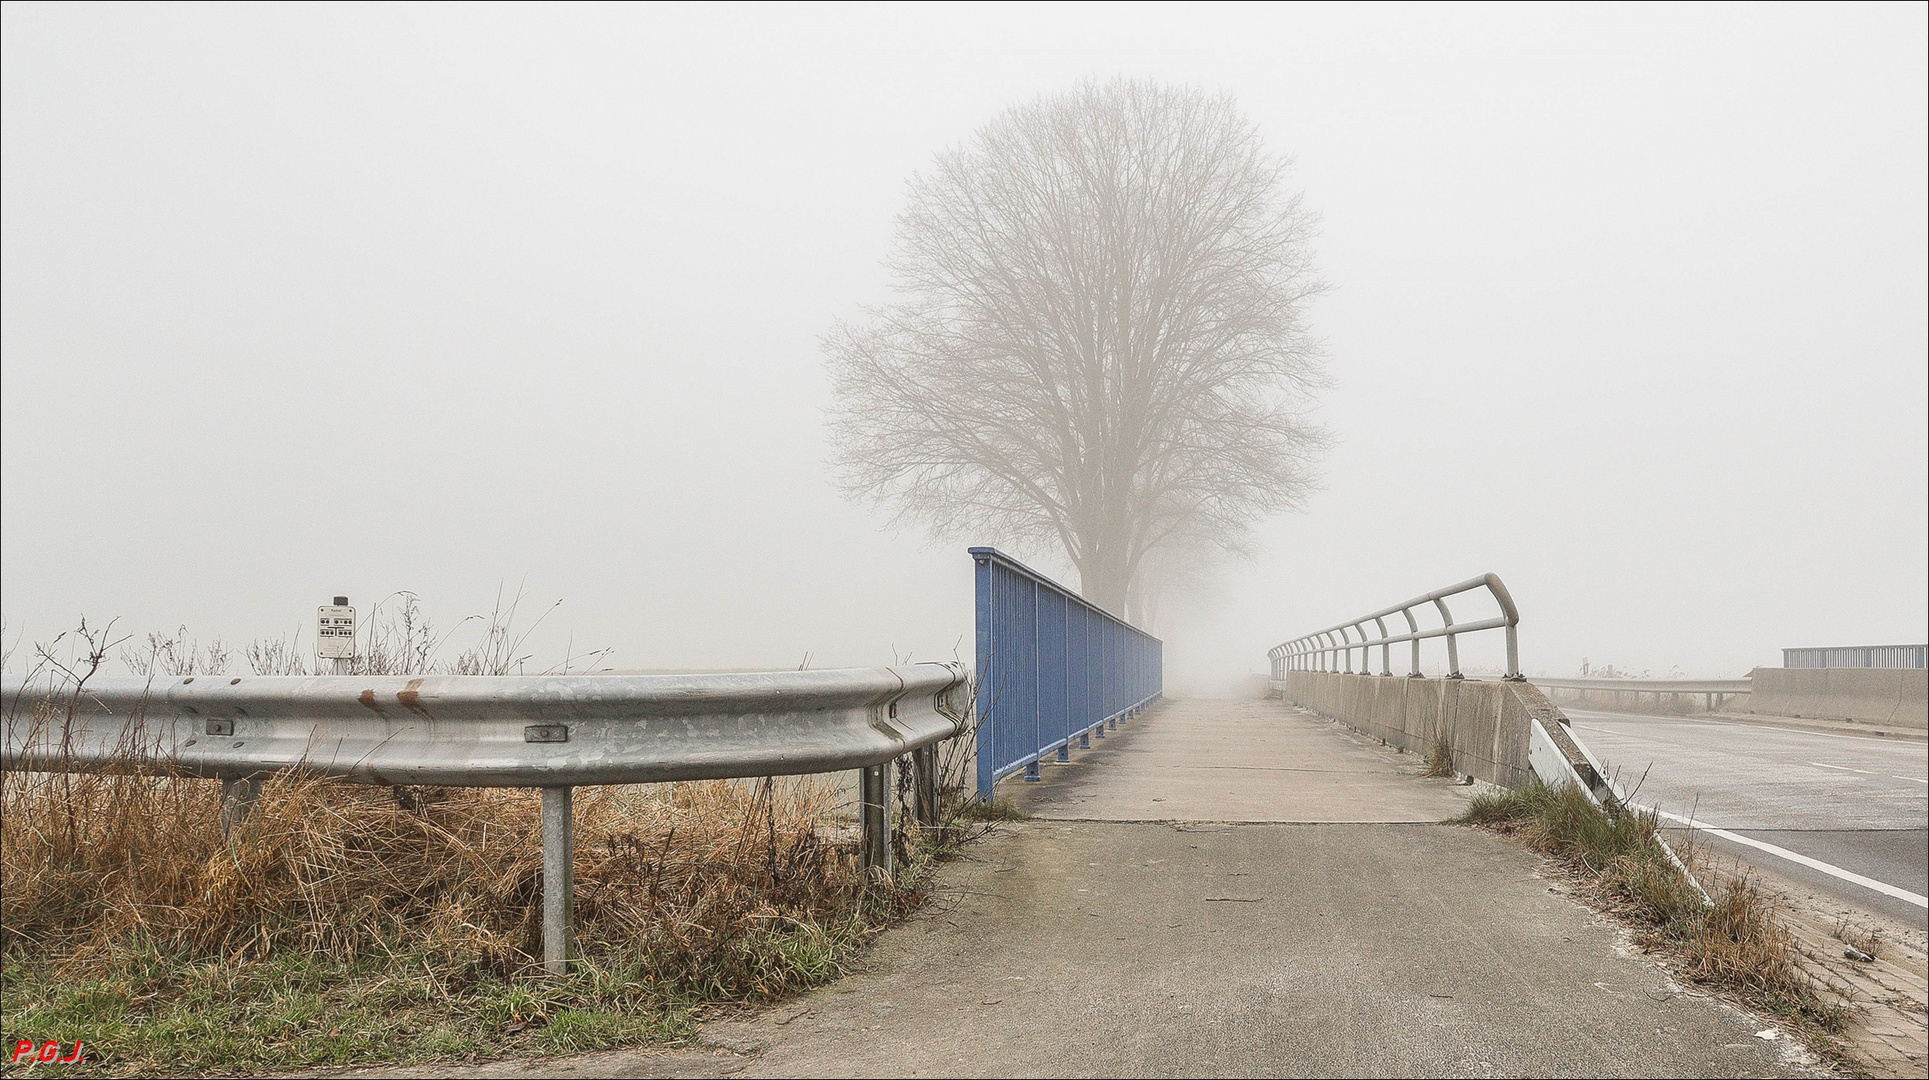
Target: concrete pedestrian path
(1234,889)
(1253,761)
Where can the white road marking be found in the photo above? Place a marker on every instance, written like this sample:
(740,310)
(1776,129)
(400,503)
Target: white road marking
(1830,869)
(1865,772)
(1845,768)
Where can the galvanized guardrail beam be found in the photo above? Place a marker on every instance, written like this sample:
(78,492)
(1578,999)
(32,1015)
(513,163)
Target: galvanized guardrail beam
(1715,691)
(551,732)
(1664,686)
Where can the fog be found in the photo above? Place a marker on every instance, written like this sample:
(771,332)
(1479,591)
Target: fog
(1628,307)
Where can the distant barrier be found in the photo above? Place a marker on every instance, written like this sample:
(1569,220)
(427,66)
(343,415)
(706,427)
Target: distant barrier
(1858,656)
(1892,697)
(1664,696)
(1053,668)
(1895,697)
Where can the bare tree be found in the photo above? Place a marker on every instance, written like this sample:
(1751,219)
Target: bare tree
(1097,339)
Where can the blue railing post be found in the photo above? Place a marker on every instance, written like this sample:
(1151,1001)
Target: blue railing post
(987,673)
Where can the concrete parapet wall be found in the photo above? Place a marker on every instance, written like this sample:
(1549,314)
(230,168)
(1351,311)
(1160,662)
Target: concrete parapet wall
(1484,722)
(1898,697)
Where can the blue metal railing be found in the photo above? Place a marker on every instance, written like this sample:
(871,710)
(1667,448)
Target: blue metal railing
(1053,668)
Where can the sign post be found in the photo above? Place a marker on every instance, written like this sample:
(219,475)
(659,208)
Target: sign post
(335,635)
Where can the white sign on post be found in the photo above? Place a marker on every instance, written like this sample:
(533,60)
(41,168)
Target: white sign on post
(335,631)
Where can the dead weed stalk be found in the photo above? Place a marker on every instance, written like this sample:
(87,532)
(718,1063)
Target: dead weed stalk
(1440,758)
(1739,944)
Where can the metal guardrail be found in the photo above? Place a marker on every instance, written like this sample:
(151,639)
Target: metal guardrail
(1868,656)
(1716,691)
(1053,667)
(550,732)
(1646,686)
(1326,650)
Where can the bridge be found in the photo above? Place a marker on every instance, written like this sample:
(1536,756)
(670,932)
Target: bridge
(1238,887)
(1205,887)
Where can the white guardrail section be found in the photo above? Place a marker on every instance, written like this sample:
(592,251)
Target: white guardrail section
(551,732)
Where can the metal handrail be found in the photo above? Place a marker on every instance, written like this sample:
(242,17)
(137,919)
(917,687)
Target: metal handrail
(1326,650)
(550,732)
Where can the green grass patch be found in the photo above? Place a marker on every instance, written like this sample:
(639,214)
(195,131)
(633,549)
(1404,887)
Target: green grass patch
(144,1010)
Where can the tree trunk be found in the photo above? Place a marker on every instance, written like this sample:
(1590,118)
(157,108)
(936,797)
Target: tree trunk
(1103,576)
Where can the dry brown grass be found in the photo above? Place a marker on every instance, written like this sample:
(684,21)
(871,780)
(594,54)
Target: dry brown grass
(343,924)
(688,870)
(1740,944)
(1440,758)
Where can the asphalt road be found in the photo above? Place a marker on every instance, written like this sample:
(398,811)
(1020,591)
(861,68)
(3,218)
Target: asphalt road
(1856,803)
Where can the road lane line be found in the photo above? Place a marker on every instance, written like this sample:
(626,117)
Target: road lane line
(1865,772)
(1830,869)
(1845,768)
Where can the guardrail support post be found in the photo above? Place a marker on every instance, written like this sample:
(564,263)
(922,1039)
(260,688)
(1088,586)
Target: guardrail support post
(874,820)
(559,878)
(924,767)
(238,798)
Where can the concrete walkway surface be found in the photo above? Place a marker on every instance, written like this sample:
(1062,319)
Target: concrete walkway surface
(1217,760)
(1179,942)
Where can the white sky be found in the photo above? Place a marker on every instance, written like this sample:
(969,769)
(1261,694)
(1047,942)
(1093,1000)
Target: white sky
(1629,308)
